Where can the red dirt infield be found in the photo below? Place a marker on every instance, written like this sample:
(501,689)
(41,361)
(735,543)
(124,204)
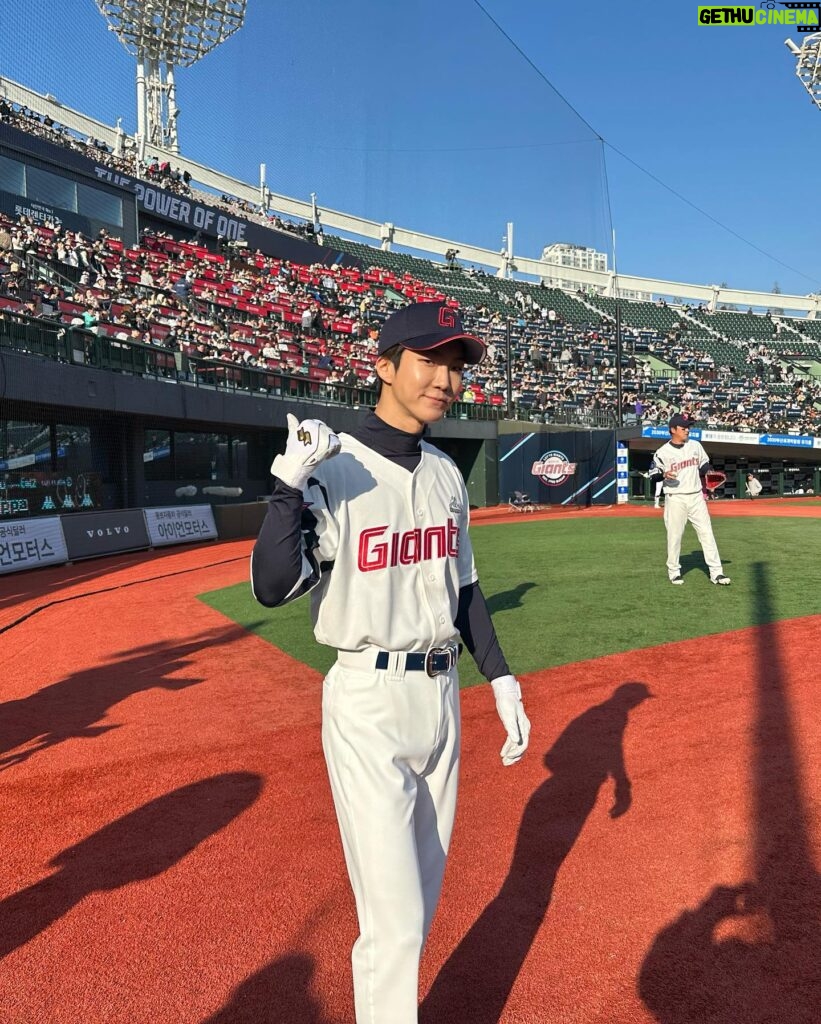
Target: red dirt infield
(169,854)
(796,507)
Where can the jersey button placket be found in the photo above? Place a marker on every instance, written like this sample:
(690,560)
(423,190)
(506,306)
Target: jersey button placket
(425,578)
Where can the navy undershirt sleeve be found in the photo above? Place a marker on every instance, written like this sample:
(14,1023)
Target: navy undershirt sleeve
(476,629)
(276,564)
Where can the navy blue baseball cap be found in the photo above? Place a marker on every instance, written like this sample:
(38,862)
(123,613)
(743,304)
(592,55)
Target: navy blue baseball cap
(422,326)
(681,419)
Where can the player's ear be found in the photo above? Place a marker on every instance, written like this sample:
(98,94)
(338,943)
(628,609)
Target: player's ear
(385,369)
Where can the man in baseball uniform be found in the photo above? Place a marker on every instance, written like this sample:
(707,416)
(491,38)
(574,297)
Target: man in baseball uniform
(682,465)
(374,524)
(753,486)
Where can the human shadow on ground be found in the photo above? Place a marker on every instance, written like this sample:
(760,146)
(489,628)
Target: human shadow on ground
(508,599)
(751,952)
(140,845)
(693,561)
(73,707)
(476,980)
(280,993)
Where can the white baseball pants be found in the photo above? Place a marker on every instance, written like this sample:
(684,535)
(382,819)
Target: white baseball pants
(678,510)
(391,744)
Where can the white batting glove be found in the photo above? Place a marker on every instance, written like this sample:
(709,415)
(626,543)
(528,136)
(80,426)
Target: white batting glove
(509,706)
(309,443)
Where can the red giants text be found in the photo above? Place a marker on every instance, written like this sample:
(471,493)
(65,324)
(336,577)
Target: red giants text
(683,464)
(406,548)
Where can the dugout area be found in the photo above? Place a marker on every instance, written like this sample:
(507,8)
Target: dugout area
(782,470)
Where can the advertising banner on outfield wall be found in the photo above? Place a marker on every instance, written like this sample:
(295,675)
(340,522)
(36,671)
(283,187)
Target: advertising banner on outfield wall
(738,437)
(89,534)
(29,543)
(570,467)
(180,525)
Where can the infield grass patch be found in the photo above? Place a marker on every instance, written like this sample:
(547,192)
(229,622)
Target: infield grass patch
(573,589)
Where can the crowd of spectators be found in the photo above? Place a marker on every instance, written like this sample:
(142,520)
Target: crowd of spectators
(307,229)
(125,160)
(250,311)
(320,323)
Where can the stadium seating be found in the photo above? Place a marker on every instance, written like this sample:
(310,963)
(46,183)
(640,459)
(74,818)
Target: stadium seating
(311,330)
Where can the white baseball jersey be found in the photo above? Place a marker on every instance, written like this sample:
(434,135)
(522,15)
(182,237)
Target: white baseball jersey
(400,553)
(685,461)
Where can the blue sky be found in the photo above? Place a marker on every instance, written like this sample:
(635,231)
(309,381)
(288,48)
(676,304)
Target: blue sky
(424,114)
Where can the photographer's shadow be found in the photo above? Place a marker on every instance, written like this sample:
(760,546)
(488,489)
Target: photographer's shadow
(479,975)
(750,952)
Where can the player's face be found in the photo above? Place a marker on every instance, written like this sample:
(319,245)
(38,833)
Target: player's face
(422,388)
(678,435)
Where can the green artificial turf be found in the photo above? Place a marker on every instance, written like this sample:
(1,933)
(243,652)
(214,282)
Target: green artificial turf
(568,590)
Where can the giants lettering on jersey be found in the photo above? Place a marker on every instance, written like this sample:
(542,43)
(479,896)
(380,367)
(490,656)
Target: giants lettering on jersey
(406,548)
(683,464)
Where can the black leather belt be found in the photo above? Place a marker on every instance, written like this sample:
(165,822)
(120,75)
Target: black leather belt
(435,662)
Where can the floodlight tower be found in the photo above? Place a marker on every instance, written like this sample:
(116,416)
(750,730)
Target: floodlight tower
(163,35)
(808,64)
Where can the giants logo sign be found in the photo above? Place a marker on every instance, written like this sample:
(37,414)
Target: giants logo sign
(553,468)
(406,548)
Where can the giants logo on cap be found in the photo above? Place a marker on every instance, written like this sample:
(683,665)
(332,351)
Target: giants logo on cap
(406,548)
(447,317)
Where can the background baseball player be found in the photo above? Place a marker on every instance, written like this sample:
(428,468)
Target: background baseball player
(658,486)
(682,464)
(753,486)
(374,525)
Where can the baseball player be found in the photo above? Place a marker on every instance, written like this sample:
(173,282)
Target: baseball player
(753,486)
(682,465)
(374,524)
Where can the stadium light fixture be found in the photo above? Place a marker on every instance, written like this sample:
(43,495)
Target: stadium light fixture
(808,64)
(163,35)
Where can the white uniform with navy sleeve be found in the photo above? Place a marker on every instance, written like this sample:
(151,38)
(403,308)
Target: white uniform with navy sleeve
(400,553)
(683,501)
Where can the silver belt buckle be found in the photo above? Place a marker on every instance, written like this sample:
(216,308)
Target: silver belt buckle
(449,653)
